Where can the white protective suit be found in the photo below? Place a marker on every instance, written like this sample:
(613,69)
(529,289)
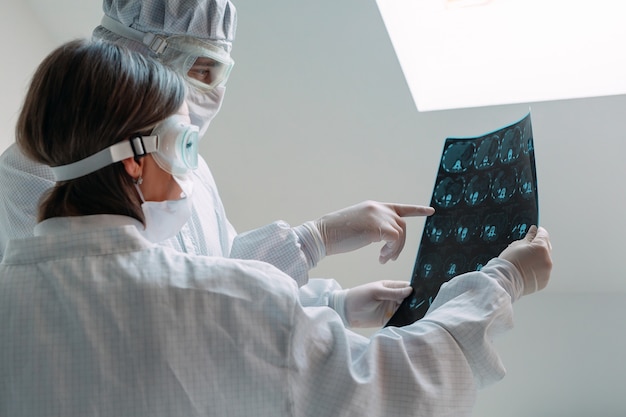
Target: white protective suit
(98,321)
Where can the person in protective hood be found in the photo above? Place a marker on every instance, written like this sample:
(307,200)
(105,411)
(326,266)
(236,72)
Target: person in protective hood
(190,36)
(194,37)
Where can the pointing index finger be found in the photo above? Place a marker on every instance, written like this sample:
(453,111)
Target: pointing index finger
(410,210)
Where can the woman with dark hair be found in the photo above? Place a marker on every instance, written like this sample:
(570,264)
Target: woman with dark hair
(97,320)
(105,97)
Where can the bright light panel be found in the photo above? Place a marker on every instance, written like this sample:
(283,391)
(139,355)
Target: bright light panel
(472,53)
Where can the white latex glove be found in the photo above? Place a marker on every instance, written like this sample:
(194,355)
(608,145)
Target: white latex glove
(370,305)
(531,256)
(357,226)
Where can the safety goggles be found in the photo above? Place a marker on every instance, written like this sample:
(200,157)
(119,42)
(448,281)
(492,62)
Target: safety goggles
(173,144)
(203,64)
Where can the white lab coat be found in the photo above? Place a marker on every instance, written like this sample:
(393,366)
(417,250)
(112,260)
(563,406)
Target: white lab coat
(97,321)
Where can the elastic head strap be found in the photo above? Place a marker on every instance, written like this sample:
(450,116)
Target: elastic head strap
(156,43)
(135,147)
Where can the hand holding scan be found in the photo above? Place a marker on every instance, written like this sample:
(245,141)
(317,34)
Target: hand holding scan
(372,304)
(531,256)
(357,226)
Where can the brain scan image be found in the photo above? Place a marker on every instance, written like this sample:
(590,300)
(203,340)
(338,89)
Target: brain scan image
(526,183)
(438,229)
(520,225)
(429,266)
(477,189)
(485,197)
(504,186)
(457,156)
(511,146)
(493,225)
(467,227)
(487,152)
(449,192)
(453,265)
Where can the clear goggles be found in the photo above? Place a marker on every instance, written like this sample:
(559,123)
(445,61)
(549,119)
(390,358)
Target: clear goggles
(173,144)
(204,64)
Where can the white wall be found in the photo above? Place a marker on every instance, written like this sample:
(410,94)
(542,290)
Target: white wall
(563,359)
(26,43)
(318,117)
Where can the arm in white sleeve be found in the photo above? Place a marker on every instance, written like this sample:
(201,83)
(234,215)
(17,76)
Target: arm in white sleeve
(292,250)
(22,183)
(449,310)
(277,244)
(432,367)
(318,292)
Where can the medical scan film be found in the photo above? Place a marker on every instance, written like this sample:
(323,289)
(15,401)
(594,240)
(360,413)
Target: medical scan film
(485,197)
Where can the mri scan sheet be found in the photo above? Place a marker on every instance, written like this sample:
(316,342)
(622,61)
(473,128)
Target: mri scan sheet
(485,197)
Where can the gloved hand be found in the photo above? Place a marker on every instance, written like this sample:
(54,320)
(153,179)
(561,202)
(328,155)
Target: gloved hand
(370,305)
(531,256)
(367,222)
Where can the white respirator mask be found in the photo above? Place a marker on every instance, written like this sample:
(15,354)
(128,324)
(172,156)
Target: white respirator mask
(164,219)
(177,145)
(204,106)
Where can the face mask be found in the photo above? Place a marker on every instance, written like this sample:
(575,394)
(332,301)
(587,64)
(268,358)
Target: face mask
(164,219)
(177,151)
(204,105)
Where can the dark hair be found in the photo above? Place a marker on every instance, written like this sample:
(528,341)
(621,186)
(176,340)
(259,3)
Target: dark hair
(84,97)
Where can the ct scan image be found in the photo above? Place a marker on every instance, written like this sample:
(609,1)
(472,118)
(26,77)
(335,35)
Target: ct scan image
(485,197)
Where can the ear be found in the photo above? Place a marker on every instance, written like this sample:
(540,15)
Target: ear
(133,167)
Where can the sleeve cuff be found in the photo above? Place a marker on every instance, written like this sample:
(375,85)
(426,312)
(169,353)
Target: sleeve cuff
(507,276)
(311,243)
(337,302)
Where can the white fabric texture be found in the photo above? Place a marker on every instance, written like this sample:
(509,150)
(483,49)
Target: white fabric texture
(208,232)
(99,321)
(214,20)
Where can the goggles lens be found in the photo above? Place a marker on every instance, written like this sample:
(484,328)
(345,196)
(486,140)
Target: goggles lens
(205,65)
(177,151)
(206,73)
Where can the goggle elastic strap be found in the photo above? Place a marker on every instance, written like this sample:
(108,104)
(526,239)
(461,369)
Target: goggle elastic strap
(156,43)
(135,147)
(159,44)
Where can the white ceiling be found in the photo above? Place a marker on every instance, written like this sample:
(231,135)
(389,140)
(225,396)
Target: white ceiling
(318,116)
(478,51)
